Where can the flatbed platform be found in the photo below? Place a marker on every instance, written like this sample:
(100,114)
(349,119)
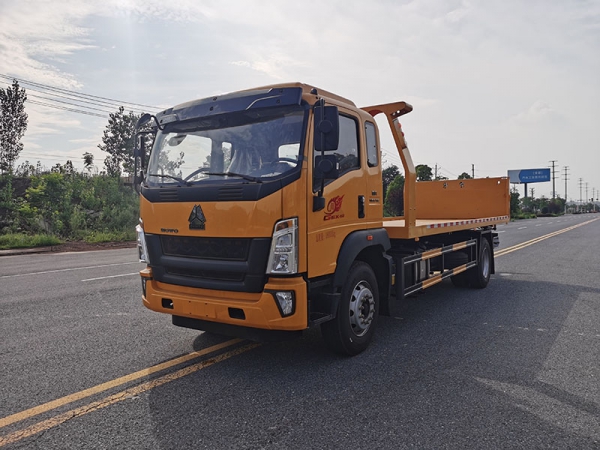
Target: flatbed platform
(397,229)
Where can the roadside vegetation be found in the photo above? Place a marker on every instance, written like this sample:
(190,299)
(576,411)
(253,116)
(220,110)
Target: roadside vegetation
(46,208)
(17,240)
(41,206)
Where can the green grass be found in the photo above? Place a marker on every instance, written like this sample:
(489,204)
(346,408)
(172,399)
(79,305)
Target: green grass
(520,216)
(110,236)
(16,240)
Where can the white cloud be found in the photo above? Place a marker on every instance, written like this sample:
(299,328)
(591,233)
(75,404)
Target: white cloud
(537,113)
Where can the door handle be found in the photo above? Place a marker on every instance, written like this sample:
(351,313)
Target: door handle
(361,206)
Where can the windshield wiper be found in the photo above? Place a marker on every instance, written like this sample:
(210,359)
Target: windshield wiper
(179,180)
(233,174)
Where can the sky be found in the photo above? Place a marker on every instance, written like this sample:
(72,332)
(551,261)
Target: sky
(496,85)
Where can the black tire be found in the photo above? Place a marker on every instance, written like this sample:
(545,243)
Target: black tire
(456,259)
(352,330)
(479,276)
(461,280)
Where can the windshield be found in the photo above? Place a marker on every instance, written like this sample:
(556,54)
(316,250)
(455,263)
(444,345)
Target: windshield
(252,145)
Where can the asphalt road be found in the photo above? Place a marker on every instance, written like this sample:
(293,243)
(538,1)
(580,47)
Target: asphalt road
(516,365)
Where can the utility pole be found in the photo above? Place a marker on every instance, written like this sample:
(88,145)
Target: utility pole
(566,179)
(553,179)
(580,186)
(587,198)
(435,172)
(473,170)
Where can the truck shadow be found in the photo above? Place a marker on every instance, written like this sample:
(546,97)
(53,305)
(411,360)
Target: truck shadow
(456,364)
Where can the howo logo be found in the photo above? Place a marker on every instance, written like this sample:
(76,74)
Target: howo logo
(334,208)
(197,219)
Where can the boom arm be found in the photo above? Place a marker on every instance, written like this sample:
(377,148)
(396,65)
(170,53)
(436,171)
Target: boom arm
(392,112)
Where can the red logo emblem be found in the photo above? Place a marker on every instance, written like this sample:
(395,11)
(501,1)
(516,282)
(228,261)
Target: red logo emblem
(334,207)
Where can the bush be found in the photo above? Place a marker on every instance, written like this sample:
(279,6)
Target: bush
(68,205)
(393,205)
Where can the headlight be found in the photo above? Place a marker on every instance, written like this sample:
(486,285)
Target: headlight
(141,244)
(283,258)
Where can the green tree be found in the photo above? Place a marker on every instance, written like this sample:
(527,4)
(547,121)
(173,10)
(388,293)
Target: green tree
(388,175)
(424,172)
(515,207)
(464,176)
(394,199)
(13,124)
(556,206)
(88,161)
(118,141)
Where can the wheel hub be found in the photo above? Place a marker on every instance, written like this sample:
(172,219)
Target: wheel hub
(485,265)
(362,308)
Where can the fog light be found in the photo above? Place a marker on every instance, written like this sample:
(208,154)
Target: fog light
(285,302)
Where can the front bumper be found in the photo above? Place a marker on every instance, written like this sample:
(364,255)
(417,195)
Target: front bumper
(254,310)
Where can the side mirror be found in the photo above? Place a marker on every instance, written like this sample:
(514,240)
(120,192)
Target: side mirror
(326,167)
(327,127)
(143,120)
(139,153)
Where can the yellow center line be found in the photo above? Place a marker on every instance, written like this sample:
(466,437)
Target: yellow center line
(541,238)
(28,413)
(118,397)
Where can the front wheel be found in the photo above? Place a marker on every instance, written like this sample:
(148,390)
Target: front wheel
(352,330)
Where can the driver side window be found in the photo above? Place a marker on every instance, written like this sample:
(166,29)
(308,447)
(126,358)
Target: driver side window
(347,154)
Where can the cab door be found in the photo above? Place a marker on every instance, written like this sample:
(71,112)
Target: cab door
(345,197)
(375,194)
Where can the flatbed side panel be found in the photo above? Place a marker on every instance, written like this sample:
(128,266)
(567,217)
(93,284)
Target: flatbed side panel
(466,199)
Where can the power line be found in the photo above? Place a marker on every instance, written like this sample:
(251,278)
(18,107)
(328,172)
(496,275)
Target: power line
(68,97)
(76,94)
(87,113)
(67,103)
(77,105)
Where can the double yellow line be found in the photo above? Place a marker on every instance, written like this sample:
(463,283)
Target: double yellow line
(119,396)
(514,248)
(155,382)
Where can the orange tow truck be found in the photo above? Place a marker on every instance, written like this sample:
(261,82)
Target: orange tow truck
(261,215)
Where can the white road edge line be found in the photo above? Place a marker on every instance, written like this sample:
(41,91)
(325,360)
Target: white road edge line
(112,276)
(66,270)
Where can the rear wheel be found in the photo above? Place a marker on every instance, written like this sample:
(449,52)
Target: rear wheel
(453,260)
(352,330)
(460,280)
(479,276)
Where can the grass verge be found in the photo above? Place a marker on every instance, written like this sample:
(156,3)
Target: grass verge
(112,236)
(16,240)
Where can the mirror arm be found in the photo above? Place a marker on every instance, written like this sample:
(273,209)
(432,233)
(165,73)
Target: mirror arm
(319,201)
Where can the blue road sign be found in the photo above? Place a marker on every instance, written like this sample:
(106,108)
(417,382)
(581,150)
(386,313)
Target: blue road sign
(529,175)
